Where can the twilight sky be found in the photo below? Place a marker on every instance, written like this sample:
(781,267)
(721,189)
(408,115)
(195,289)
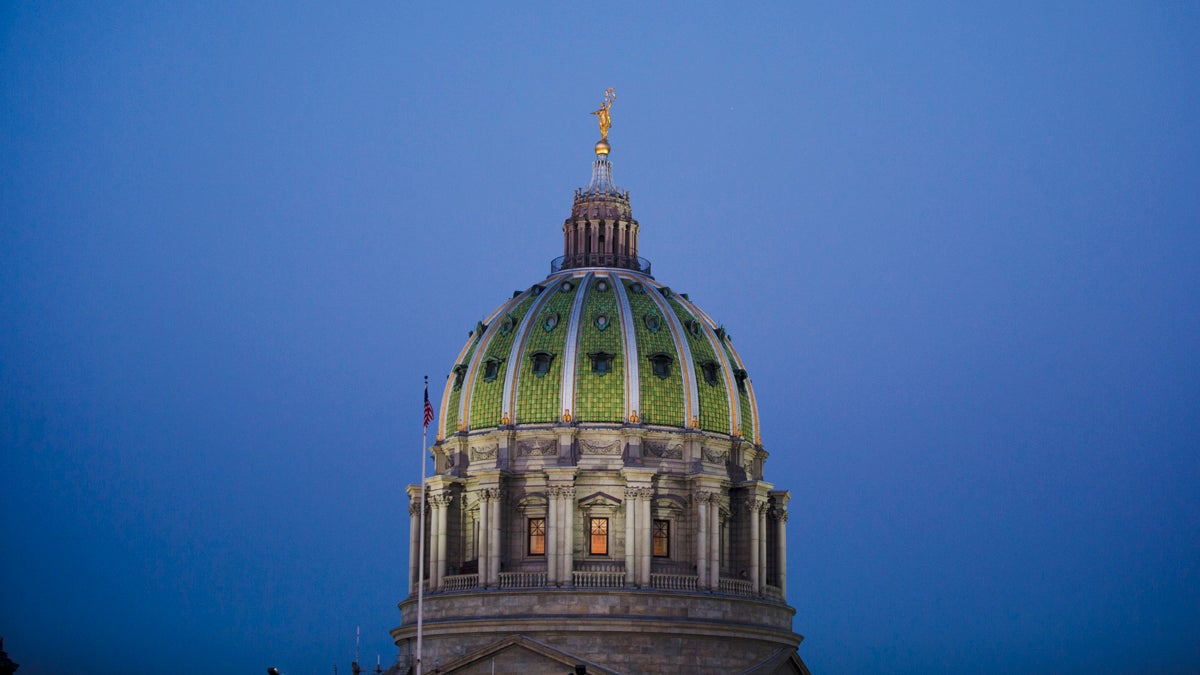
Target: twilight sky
(958,248)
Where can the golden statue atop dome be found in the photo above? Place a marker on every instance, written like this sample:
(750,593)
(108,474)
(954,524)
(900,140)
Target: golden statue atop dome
(602,147)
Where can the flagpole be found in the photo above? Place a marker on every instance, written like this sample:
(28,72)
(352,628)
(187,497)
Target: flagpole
(421,549)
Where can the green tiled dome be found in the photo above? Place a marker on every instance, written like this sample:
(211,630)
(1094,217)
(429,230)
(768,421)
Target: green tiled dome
(599,346)
(599,342)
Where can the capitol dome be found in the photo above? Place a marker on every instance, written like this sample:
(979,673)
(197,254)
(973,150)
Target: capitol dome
(598,346)
(598,498)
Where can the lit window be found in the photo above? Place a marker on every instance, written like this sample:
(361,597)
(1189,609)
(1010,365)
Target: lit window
(599,540)
(537,536)
(662,539)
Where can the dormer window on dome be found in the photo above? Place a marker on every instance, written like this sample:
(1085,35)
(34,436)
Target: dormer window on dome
(460,371)
(660,364)
(541,363)
(601,362)
(491,368)
(709,370)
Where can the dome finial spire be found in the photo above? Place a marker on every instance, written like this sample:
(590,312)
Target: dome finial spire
(602,146)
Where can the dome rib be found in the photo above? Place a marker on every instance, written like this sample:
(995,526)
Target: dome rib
(691,403)
(491,335)
(570,351)
(512,374)
(724,417)
(629,339)
(475,346)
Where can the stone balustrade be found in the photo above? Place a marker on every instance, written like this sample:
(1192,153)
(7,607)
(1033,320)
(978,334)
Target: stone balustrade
(522,579)
(599,579)
(674,582)
(460,582)
(736,586)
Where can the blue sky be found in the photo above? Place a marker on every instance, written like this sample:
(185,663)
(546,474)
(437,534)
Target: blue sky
(956,245)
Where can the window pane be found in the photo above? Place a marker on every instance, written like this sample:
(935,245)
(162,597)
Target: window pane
(662,539)
(599,541)
(537,536)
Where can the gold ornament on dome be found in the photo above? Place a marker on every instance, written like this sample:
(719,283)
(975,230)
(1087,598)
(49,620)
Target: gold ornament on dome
(603,114)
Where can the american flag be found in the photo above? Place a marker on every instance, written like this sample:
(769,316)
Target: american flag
(428,408)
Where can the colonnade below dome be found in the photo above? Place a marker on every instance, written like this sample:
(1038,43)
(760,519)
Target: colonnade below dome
(633,528)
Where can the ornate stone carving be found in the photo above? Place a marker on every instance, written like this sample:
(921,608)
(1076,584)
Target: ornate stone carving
(537,447)
(664,449)
(593,448)
(642,494)
(714,456)
(482,452)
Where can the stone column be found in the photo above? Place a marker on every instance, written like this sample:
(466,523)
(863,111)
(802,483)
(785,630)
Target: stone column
(552,535)
(630,536)
(645,540)
(443,502)
(483,554)
(752,506)
(495,543)
(702,539)
(568,530)
(432,545)
(443,539)
(781,556)
(762,547)
(714,543)
(414,542)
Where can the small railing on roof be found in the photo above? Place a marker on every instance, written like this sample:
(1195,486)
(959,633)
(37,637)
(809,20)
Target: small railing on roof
(461,582)
(611,576)
(627,262)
